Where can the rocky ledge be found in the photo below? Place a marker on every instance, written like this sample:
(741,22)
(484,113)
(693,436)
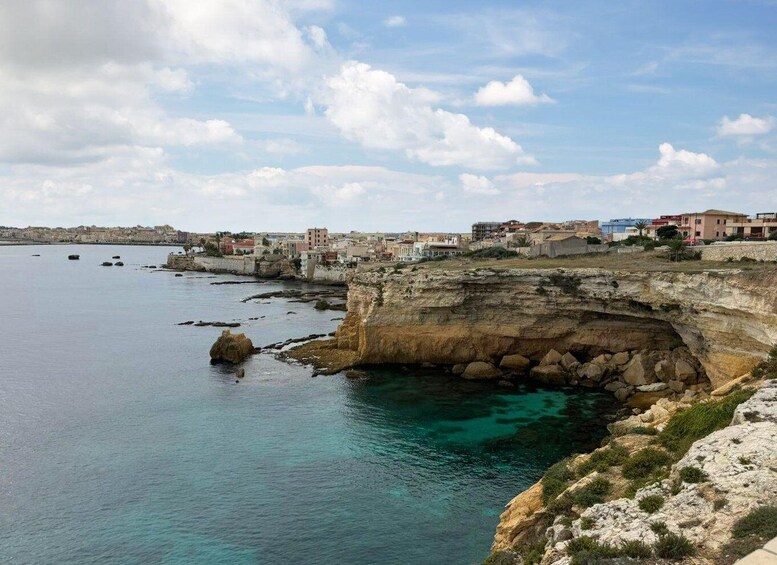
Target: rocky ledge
(652,494)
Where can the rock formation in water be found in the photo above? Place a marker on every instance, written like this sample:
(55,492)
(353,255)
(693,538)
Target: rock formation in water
(232,348)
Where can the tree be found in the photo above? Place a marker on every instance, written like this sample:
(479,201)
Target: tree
(591,240)
(667,232)
(773,236)
(211,249)
(265,242)
(522,241)
(187,247)
(641,227)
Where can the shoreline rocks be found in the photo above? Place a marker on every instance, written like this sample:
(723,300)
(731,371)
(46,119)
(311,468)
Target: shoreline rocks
(231,348)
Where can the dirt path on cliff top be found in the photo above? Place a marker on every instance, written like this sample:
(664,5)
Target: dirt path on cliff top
(637,262)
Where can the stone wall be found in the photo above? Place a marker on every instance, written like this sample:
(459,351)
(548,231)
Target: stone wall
(230,264)
(757,250)
(180,262)
(332,274)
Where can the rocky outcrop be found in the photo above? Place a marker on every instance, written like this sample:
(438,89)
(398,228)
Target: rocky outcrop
(232,348)
(727,319)
(720,479)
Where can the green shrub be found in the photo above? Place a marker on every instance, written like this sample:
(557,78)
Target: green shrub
(492,253)
(659,528)
(585,550)
(556,480)
(674,546)
(643,463)
(692,474)
(751,532)
(651,503)
(592,493)
(603,459)
(587,523)
(644,431)
(699,421)
(761,522)
(636,549)
(767,369)
(745,461)
(561,505)
(533,554)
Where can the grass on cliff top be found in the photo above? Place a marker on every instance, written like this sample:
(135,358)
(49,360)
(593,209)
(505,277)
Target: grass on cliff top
(750,533)
(700,420)
(647,261)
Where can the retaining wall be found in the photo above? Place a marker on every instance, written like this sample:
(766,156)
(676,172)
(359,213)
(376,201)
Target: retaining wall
(758,250)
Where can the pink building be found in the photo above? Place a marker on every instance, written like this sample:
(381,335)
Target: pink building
(710,224)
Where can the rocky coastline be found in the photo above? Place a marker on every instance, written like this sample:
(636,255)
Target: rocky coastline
(661,342)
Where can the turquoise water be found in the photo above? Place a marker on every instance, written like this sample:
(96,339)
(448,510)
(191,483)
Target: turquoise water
(120,443)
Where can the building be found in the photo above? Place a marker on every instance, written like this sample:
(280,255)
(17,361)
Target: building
(710,224)
(564,244)
(485,230)
(760,227)
(619,225)
(317,237)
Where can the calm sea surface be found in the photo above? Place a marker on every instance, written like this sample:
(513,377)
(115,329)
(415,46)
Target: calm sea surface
(120,443)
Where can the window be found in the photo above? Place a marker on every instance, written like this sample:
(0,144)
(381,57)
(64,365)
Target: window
(718,222)
(698,221)
(698,233)
(717,234)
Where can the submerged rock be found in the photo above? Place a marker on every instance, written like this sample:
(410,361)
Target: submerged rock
(517,363)
(480,370)
(232,348)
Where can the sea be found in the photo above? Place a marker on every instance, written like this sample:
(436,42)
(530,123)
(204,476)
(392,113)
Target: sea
(121,443)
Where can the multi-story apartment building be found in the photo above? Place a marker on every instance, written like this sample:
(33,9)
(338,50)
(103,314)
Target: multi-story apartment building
(710,224)
(760,227)
(485,230)
(316,237)
(619,225)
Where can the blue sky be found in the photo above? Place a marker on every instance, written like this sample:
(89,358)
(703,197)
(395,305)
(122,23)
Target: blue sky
(276,115)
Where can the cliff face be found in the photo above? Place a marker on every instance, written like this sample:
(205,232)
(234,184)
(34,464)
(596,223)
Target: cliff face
(726,318)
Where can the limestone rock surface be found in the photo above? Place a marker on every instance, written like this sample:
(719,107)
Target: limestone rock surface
(232,348)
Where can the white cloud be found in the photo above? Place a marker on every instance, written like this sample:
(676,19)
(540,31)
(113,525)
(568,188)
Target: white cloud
(477,184)
(517,92)
(395,21)
(372,107)
(745,124)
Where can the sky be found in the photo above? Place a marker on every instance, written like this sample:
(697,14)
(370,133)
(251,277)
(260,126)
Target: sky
(270,115)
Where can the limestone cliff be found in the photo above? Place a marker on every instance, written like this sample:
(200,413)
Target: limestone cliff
(727,318)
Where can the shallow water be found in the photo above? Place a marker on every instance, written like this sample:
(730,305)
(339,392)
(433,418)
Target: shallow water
(120,443)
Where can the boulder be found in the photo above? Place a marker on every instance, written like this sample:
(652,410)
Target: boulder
(517,363)
(613,386)
(549,374)
(552,357)
(568,361)
(664,370)
(639,371)
(480,370)
(600,360)
(232,348)
(623,393)
(676,386)
(620,358)
(458,368)
(684,371)
(591,371)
